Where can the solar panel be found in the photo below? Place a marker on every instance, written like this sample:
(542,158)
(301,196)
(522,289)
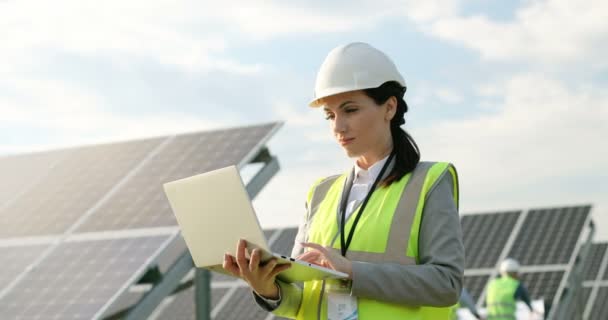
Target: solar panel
(21,171)
(576,308)
(79,278)
(475,285)
(186,300)
(549,236)
(596,254)
(58,195)
(182,307)
(72,187)
(600,307)
(478,229)
(284,244)
(141,202)
(14,260)
(542,285)
(242,306)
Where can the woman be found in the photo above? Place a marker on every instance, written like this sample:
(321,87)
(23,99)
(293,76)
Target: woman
(391,223)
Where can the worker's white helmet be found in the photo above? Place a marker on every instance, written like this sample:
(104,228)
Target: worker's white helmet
(509,266)
(354,66)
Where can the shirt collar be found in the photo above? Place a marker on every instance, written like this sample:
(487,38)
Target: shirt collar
(372,172)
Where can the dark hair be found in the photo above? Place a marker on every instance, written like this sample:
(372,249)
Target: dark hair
(407,154)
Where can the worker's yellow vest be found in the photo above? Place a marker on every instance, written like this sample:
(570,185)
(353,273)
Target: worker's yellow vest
(501,298)
(387,232)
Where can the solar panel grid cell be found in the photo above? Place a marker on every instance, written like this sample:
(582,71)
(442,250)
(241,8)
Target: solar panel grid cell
(485,235)
(284,244)
(182,306)
(72,187)
(15,260)
(475,285)
(241,306)
(20,172)
(577,308)
(78,278)
(596,254)
(542,285)
(549,236)
(143,204)
(600,307)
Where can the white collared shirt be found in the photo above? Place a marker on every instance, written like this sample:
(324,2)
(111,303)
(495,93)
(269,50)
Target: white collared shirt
(362,183)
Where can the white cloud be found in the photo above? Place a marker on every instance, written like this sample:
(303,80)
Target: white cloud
(549,32)
(449,96)
(75,116)
(545,132)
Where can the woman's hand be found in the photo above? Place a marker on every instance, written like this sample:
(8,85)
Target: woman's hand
(260,277)
(326,257)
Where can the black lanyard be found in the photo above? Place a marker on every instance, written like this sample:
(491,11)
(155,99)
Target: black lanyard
(345,244)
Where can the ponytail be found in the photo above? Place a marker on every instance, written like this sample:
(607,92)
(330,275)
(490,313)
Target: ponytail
(407,154)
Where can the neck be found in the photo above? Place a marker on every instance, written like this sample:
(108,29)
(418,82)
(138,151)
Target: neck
(367,160)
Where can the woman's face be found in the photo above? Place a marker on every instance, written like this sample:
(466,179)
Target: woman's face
(359,125)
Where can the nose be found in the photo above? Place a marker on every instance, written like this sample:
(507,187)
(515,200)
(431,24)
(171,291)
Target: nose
(340,125)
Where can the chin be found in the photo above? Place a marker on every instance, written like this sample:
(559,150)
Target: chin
(351,153)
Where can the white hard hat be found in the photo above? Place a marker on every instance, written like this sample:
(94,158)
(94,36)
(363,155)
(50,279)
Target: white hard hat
(354,66)
(509,266)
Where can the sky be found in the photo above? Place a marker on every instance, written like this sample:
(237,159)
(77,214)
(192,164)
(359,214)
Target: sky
(511,92)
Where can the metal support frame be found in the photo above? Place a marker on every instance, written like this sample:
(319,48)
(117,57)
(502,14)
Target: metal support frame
(202,294)
(571,296)
(170,282)
(165,287)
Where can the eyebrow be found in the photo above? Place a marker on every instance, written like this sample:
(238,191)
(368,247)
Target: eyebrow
(341,106)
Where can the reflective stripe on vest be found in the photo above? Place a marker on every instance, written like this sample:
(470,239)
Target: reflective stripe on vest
(387,232)
(501,298)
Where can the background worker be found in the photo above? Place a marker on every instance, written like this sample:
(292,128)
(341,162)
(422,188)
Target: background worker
(391,222)
(505,291)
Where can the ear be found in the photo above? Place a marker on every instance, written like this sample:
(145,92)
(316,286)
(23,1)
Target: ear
(391,108)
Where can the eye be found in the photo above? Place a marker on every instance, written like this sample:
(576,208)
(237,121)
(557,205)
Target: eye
(329,116)
(351,110)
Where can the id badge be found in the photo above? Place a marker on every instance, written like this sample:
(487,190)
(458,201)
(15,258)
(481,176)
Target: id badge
(341,305)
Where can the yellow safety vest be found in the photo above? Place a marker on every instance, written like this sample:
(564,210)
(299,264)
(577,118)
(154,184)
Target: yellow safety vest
(387,232)
(501,298)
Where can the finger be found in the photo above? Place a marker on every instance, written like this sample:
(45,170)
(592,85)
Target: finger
(269,266)
(241,259)
(230,266)
(278,269)
(254,262)
(310,256)
(315,246)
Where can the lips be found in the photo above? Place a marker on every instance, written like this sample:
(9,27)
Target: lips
(346,141)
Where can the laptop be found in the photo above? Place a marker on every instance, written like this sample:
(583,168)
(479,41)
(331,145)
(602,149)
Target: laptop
(214,211)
